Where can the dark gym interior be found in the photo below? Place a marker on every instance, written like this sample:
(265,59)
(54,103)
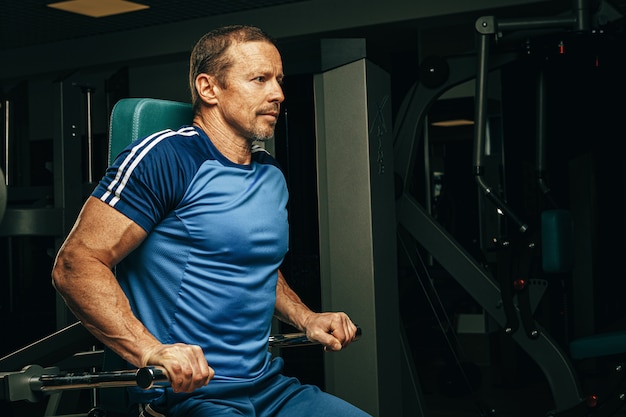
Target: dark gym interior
(509,184)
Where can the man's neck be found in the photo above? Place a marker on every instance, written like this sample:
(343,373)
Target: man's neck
(236,149)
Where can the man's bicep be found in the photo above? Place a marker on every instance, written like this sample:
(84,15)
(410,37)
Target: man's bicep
(103,232)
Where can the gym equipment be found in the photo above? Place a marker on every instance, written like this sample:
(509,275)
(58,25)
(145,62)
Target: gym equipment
(3,195)
(355,184)
(288,340)
(507,302)
(134,118)
(34,382)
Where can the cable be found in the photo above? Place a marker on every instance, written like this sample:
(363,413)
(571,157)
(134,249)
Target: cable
(443,320)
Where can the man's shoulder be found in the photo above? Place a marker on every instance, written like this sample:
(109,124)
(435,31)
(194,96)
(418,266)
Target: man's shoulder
(170,146)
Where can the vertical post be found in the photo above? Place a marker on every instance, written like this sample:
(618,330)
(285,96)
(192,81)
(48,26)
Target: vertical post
(7,121)
(89,101)
(3,195)
(67,169)
(358,232)
(6,107)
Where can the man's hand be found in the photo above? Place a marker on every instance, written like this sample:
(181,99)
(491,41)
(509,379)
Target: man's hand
(333,330)
(185,365)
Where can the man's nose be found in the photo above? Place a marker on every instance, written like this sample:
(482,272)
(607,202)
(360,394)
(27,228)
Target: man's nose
(277,94)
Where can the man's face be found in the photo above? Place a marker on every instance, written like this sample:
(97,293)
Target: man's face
(250,102)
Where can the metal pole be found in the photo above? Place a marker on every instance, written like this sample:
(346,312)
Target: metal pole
(6,105)
(296,339)
(480,126)
(145,378)
(89,96)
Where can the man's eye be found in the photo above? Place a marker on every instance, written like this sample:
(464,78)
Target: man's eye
(260,79)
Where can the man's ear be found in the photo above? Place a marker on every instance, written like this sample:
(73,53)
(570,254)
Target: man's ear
(207,87)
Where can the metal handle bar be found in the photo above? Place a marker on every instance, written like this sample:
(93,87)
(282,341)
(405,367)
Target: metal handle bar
(143,377)
(297,339)
(146,377)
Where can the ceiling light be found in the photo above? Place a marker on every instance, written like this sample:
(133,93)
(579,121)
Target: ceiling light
(98,8)
(453,123)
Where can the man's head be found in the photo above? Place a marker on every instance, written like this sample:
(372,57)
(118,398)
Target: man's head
(210,56)
(236,76)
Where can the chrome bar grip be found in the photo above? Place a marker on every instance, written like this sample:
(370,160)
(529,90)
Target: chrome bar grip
(145,378)
(151,376)
(297,339)
(148,377)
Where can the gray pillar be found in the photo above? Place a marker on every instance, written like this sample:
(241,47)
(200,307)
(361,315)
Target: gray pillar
(358,232)
(68,185)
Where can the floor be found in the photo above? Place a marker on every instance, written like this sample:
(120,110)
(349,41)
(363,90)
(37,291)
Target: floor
(521,392)
(474,374)
(446,395)
(494,379)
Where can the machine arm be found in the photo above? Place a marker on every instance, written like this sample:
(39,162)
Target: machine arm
(33,381)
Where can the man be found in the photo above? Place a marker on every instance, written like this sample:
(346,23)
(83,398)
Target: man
(194,223)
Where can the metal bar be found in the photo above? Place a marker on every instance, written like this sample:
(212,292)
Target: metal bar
(146,378)
(537,23)
(477,281)
(32,222)
(89,98)
(480,131)
(296,339)
(7,121)
(50,349)
(3,195)
(579,20)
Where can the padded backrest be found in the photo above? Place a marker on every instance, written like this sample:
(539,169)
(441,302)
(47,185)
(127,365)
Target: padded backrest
(135,118)
(132,119)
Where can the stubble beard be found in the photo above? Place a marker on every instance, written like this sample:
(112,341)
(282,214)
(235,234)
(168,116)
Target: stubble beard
(261,132)
(262,135)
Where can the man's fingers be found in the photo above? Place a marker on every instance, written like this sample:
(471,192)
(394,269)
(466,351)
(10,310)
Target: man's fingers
(346,331)
(185,366)
(206,372)
(333,330)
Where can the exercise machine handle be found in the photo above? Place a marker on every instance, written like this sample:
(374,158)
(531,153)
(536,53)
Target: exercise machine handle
(146,377)
(297,339)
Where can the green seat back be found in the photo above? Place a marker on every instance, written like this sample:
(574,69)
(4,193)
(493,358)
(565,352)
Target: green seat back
(135,118)
(132,119)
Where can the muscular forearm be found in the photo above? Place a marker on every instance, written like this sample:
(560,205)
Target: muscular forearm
(289,307)
(334,330)
(102,307)
(82,275)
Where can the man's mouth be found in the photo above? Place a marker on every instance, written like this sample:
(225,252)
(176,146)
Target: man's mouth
(273,111)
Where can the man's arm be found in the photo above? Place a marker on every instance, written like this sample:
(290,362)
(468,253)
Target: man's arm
(333,330)
(83,276)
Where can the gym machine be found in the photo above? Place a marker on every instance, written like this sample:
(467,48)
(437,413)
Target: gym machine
(511,304)
(41,207)
(36,383)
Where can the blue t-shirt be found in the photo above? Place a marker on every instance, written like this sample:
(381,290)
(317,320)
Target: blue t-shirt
(217,232)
